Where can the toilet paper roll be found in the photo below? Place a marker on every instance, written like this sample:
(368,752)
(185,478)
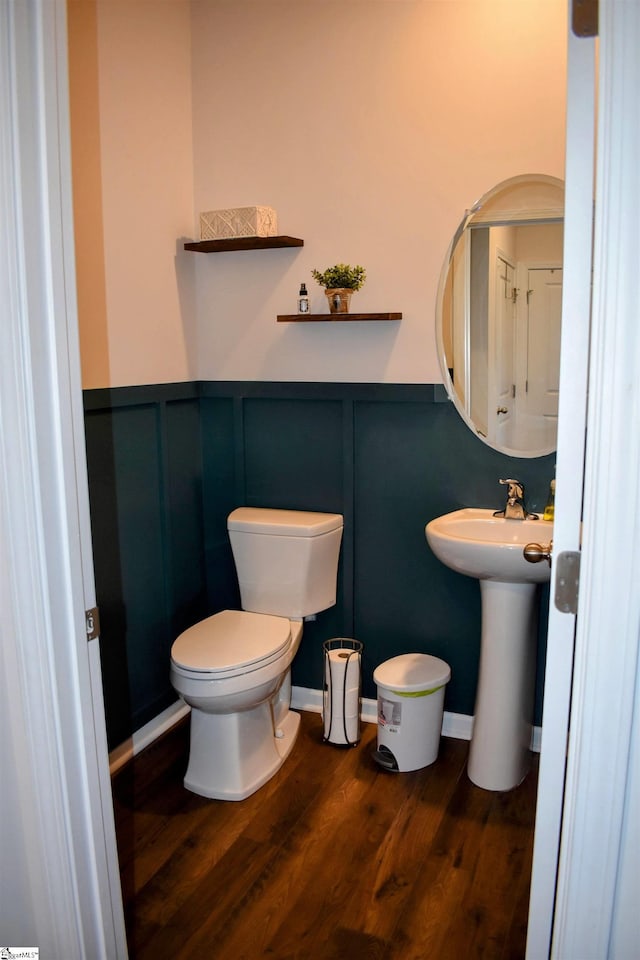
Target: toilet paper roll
(342,696)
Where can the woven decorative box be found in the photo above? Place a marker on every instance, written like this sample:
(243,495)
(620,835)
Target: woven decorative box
(238,222)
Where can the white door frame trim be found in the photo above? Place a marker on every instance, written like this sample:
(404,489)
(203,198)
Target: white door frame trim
(64,886)
(574,356)
(594,915)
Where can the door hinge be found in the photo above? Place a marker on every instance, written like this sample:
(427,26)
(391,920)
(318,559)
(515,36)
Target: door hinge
(92,621)
(584,18)
(567,581)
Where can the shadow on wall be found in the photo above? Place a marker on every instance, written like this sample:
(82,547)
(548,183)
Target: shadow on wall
(185,272)
(87,194)
(107,551)
(301,339)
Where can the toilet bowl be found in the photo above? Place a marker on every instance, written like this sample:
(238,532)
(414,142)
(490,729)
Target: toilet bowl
(233,668)
(234,703)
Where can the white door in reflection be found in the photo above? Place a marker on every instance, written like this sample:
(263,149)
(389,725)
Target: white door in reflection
(543,316)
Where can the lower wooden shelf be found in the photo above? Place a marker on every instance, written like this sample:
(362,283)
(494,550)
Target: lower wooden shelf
(334,317)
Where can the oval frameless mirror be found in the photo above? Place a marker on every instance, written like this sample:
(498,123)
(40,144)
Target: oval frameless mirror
(498,315)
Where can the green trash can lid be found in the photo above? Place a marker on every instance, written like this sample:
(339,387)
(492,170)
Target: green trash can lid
(412,672)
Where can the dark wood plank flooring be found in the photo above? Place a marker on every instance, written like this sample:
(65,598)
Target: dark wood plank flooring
(333,858)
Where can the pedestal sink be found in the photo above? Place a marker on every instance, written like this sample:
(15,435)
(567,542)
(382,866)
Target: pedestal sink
(477,544)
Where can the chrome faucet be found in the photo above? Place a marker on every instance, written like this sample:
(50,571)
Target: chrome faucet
(514,507)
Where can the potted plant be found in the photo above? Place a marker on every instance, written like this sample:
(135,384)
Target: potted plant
(340,282)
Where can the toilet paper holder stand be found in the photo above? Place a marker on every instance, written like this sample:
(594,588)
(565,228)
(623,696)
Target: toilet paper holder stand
(342,685)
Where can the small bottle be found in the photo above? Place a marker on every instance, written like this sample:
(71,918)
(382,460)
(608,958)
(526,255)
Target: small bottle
(550,507)
(303,299)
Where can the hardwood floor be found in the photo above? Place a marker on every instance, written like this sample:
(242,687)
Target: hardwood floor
(333,858)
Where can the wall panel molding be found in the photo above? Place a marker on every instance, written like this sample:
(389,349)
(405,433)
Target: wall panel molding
(168,462)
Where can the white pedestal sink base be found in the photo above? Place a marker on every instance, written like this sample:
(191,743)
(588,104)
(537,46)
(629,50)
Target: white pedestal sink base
(500,754)
(477,543)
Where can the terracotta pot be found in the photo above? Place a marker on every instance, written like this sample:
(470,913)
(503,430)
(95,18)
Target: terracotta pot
(338,298)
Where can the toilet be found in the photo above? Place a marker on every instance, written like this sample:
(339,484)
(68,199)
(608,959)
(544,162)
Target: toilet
(233,669)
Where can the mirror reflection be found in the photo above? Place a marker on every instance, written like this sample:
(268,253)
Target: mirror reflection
(499,311)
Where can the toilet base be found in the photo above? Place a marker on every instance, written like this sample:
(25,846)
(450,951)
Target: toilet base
(233,755)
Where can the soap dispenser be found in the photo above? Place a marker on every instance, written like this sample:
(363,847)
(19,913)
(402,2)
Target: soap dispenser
(303,299)
(550,507)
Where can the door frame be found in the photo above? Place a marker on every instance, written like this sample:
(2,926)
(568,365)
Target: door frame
(58,841)
(574,354)
(592,804)
(499,425)
(596,910)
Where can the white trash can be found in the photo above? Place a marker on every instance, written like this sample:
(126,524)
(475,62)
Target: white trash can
(410,708)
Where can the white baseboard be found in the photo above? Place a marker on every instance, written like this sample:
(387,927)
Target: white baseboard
(456,725)
(146,735)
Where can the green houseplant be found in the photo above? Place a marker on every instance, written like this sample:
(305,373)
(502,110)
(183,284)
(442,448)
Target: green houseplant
(340,281)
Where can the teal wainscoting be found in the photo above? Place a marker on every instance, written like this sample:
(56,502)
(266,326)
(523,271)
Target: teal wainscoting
(145,488)
(167,463)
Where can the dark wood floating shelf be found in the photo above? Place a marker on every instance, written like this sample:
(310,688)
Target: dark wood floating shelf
(243,243)
(335,317)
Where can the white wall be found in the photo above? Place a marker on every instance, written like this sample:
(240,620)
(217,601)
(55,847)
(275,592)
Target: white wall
(370,125)
(541,243)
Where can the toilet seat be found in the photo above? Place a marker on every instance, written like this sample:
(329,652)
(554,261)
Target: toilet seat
(230,643)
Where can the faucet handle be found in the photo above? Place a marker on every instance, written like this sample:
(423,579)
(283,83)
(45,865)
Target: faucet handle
(516,488)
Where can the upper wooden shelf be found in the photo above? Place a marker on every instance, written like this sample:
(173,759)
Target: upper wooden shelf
(243,243)
(311,317)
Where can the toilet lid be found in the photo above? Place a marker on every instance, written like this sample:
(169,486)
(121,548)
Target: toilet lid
(283,523)
(412,673)
(231,640)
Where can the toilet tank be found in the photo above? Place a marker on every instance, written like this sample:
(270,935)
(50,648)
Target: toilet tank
(286,560)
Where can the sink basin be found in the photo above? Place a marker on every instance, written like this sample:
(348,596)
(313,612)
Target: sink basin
(474,542)
(477,544)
